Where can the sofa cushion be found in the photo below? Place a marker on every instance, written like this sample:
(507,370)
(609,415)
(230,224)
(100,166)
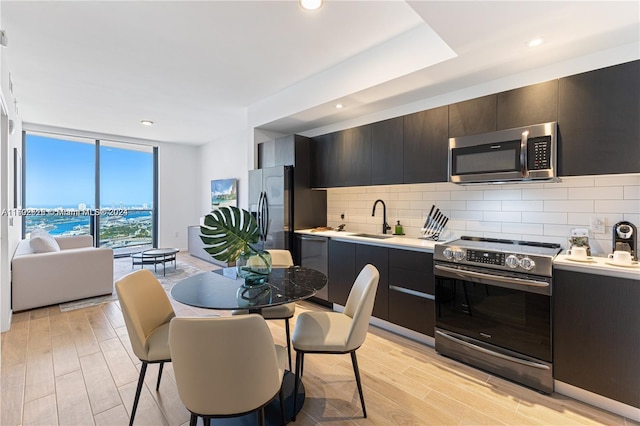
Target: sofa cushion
(42,242)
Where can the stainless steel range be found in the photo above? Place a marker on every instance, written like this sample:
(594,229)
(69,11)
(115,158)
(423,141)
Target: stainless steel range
(493,307)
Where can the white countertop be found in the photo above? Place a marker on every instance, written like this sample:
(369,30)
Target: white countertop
(396,241)
(597,265)
(594,265)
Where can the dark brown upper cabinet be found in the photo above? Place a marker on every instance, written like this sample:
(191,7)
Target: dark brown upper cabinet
(426,141)
(387,147)
(528,105)
(599,121)
(342,158)
(473,117)
(356,156)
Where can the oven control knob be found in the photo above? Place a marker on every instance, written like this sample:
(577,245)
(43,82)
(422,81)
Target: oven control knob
(447,253)
(512,261)
(527,264)
(458,254)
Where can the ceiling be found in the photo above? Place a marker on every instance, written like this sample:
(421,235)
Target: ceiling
(201,70)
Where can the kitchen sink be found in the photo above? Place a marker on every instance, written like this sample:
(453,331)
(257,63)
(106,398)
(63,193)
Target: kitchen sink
(376,236)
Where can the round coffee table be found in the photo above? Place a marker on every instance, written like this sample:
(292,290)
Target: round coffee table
(154,257)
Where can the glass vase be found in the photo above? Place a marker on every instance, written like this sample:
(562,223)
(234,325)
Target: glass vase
(254,267)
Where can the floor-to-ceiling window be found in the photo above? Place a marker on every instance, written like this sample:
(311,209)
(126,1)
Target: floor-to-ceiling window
(126,189)
(77,186)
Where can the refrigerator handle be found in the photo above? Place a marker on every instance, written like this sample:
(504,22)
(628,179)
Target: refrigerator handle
(265,224)
(259,214)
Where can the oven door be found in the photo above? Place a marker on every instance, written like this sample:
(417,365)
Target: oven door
(512,311)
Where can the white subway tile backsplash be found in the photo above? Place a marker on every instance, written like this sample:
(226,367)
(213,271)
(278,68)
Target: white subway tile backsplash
(484,226)
(510,194)
(544,194)
(632,192)
(614,180)
(597,193)
(484,205)
(544,217)
(491,216)
(539,212)
(467,195)
(568,206)
(466,214)
(523,206)
(523,228)
(617,206)
(410,196)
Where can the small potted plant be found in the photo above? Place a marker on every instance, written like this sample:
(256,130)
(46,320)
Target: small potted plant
(228,234)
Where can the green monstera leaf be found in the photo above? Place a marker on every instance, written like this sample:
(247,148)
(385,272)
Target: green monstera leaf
(227,233)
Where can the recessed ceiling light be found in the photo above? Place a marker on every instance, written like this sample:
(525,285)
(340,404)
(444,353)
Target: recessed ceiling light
(535,42)
(146,122)
(311,4)
(339,106)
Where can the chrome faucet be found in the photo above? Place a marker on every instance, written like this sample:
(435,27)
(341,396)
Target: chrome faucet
(385,225)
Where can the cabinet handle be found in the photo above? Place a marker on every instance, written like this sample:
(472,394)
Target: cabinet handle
(412,292)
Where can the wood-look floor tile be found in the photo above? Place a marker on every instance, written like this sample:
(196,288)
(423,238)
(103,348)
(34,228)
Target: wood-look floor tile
(120,365)
(41,412)
(39,378)
(102,391)
(72,400)
(114,416)
(83,336)
(65,356)
(12,393)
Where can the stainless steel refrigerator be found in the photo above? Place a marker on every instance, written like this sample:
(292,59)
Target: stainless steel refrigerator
(281,201)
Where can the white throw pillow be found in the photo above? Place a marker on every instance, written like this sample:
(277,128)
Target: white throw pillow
(42,242)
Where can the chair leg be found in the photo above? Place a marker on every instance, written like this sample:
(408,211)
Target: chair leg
(299,358)
(354,361)
(143,371)
(159,376)
(193,420)
(288,330)
(261,416)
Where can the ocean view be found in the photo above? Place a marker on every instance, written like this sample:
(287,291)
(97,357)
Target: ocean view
(121,227)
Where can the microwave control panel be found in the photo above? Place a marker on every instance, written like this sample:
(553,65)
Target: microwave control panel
(539,153)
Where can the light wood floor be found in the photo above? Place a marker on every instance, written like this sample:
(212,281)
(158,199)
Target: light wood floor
(77,368)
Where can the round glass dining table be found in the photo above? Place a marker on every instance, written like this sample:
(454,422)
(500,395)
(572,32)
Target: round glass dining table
(222,289)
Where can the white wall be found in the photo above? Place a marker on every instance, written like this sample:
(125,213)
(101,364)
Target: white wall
(178,190)
(533,212)
(225,158)
(10,226)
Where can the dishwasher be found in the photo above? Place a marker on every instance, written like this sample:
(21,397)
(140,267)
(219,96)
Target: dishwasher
(314,254)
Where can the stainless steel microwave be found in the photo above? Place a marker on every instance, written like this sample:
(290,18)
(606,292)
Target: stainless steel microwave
(523,154)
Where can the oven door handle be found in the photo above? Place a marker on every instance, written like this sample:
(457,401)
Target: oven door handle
(508,280)
(492,353)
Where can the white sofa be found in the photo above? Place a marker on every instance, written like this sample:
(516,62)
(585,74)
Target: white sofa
(77,271)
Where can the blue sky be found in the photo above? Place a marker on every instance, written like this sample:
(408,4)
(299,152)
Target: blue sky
(62,173)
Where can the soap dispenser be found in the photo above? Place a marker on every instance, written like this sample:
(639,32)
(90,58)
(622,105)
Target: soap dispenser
(399,230)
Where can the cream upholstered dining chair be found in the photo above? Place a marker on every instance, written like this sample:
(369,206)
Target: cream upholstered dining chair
(279,259)
(226,366)
(338,332)
(147,314)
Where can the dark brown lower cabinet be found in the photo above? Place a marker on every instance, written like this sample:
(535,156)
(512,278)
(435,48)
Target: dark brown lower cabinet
(413,312)
(406,287)
(342,270)
(596,334)
(378,257)
(411,290)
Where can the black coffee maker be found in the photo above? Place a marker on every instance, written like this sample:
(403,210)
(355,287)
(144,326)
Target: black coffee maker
(625,238)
